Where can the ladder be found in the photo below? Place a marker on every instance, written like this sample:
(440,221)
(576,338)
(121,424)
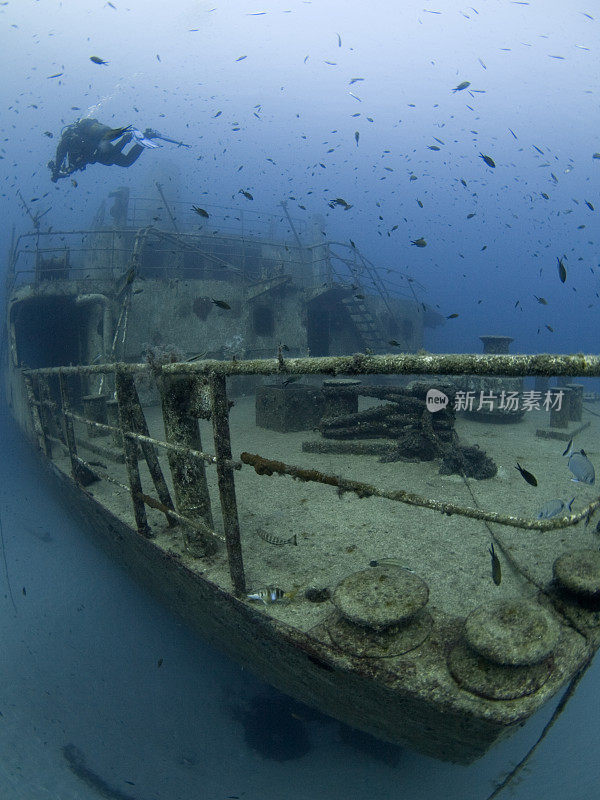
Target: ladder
(364,322)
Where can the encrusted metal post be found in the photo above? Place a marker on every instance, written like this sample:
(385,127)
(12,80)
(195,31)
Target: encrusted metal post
(82,474)
(48,408)
(69,433)
(181,427)
(220,420)
(130,448)
(36,416)
(139,426)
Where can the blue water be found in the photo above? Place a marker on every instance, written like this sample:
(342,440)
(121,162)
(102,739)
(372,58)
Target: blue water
(262,92)
(79,667)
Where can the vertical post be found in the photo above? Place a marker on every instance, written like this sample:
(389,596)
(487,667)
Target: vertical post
(69,433)
(130,448)
(37,416)
(112,415)
(220,420)
(48,415)
(139,426)
(181,427)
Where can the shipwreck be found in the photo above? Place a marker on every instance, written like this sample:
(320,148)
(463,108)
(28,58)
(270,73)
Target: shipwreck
(219,403)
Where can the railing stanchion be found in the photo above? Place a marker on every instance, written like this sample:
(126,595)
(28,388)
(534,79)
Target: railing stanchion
(220,420)
(130,449)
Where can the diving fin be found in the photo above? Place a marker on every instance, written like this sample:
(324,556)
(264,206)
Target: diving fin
(141,139)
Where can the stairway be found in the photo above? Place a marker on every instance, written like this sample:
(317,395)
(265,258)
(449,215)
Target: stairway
(364,322)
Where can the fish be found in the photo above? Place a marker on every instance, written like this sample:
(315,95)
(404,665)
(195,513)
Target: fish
(581,467)
(452,316)
(221,304)
(389,562)
(594,155)
(513,133)
(247,195)
(356,137)
(200,211)
(276,540)
(56,75)
(488,160)
(419,242)
(550,328)
(241,58)
(74,183)
(420,204)
(545,196)
(531,479)
(271,594)
(98,60)
(49,134)
(562,272)
(552,508)
(568,447)
(394,343)
(471,215)
(432,147)
(589,205)
(339,38)
(159,663)
(541,300)
(354,80)
(291,379)
(496,569)
(461,86)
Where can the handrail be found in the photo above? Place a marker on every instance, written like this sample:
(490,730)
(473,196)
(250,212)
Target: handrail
(543,364)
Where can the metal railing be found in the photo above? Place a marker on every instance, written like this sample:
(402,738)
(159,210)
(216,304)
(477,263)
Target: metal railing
(190,391)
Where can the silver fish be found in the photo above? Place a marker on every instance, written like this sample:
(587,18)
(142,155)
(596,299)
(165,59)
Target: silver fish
(271,594)
(582,468)
(552,508)
(392,562)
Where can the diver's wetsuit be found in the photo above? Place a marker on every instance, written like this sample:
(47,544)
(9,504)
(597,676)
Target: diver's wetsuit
(88,141)
(113,155)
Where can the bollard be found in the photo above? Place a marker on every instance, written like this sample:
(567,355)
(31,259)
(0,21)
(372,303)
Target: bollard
(576,406)
(560,410)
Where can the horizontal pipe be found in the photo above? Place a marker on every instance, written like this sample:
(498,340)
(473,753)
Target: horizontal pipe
(547,364)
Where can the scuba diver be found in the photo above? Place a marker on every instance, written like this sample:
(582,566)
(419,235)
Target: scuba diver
(88,141)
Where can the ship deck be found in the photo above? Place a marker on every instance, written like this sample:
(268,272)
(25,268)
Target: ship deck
(338,535)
